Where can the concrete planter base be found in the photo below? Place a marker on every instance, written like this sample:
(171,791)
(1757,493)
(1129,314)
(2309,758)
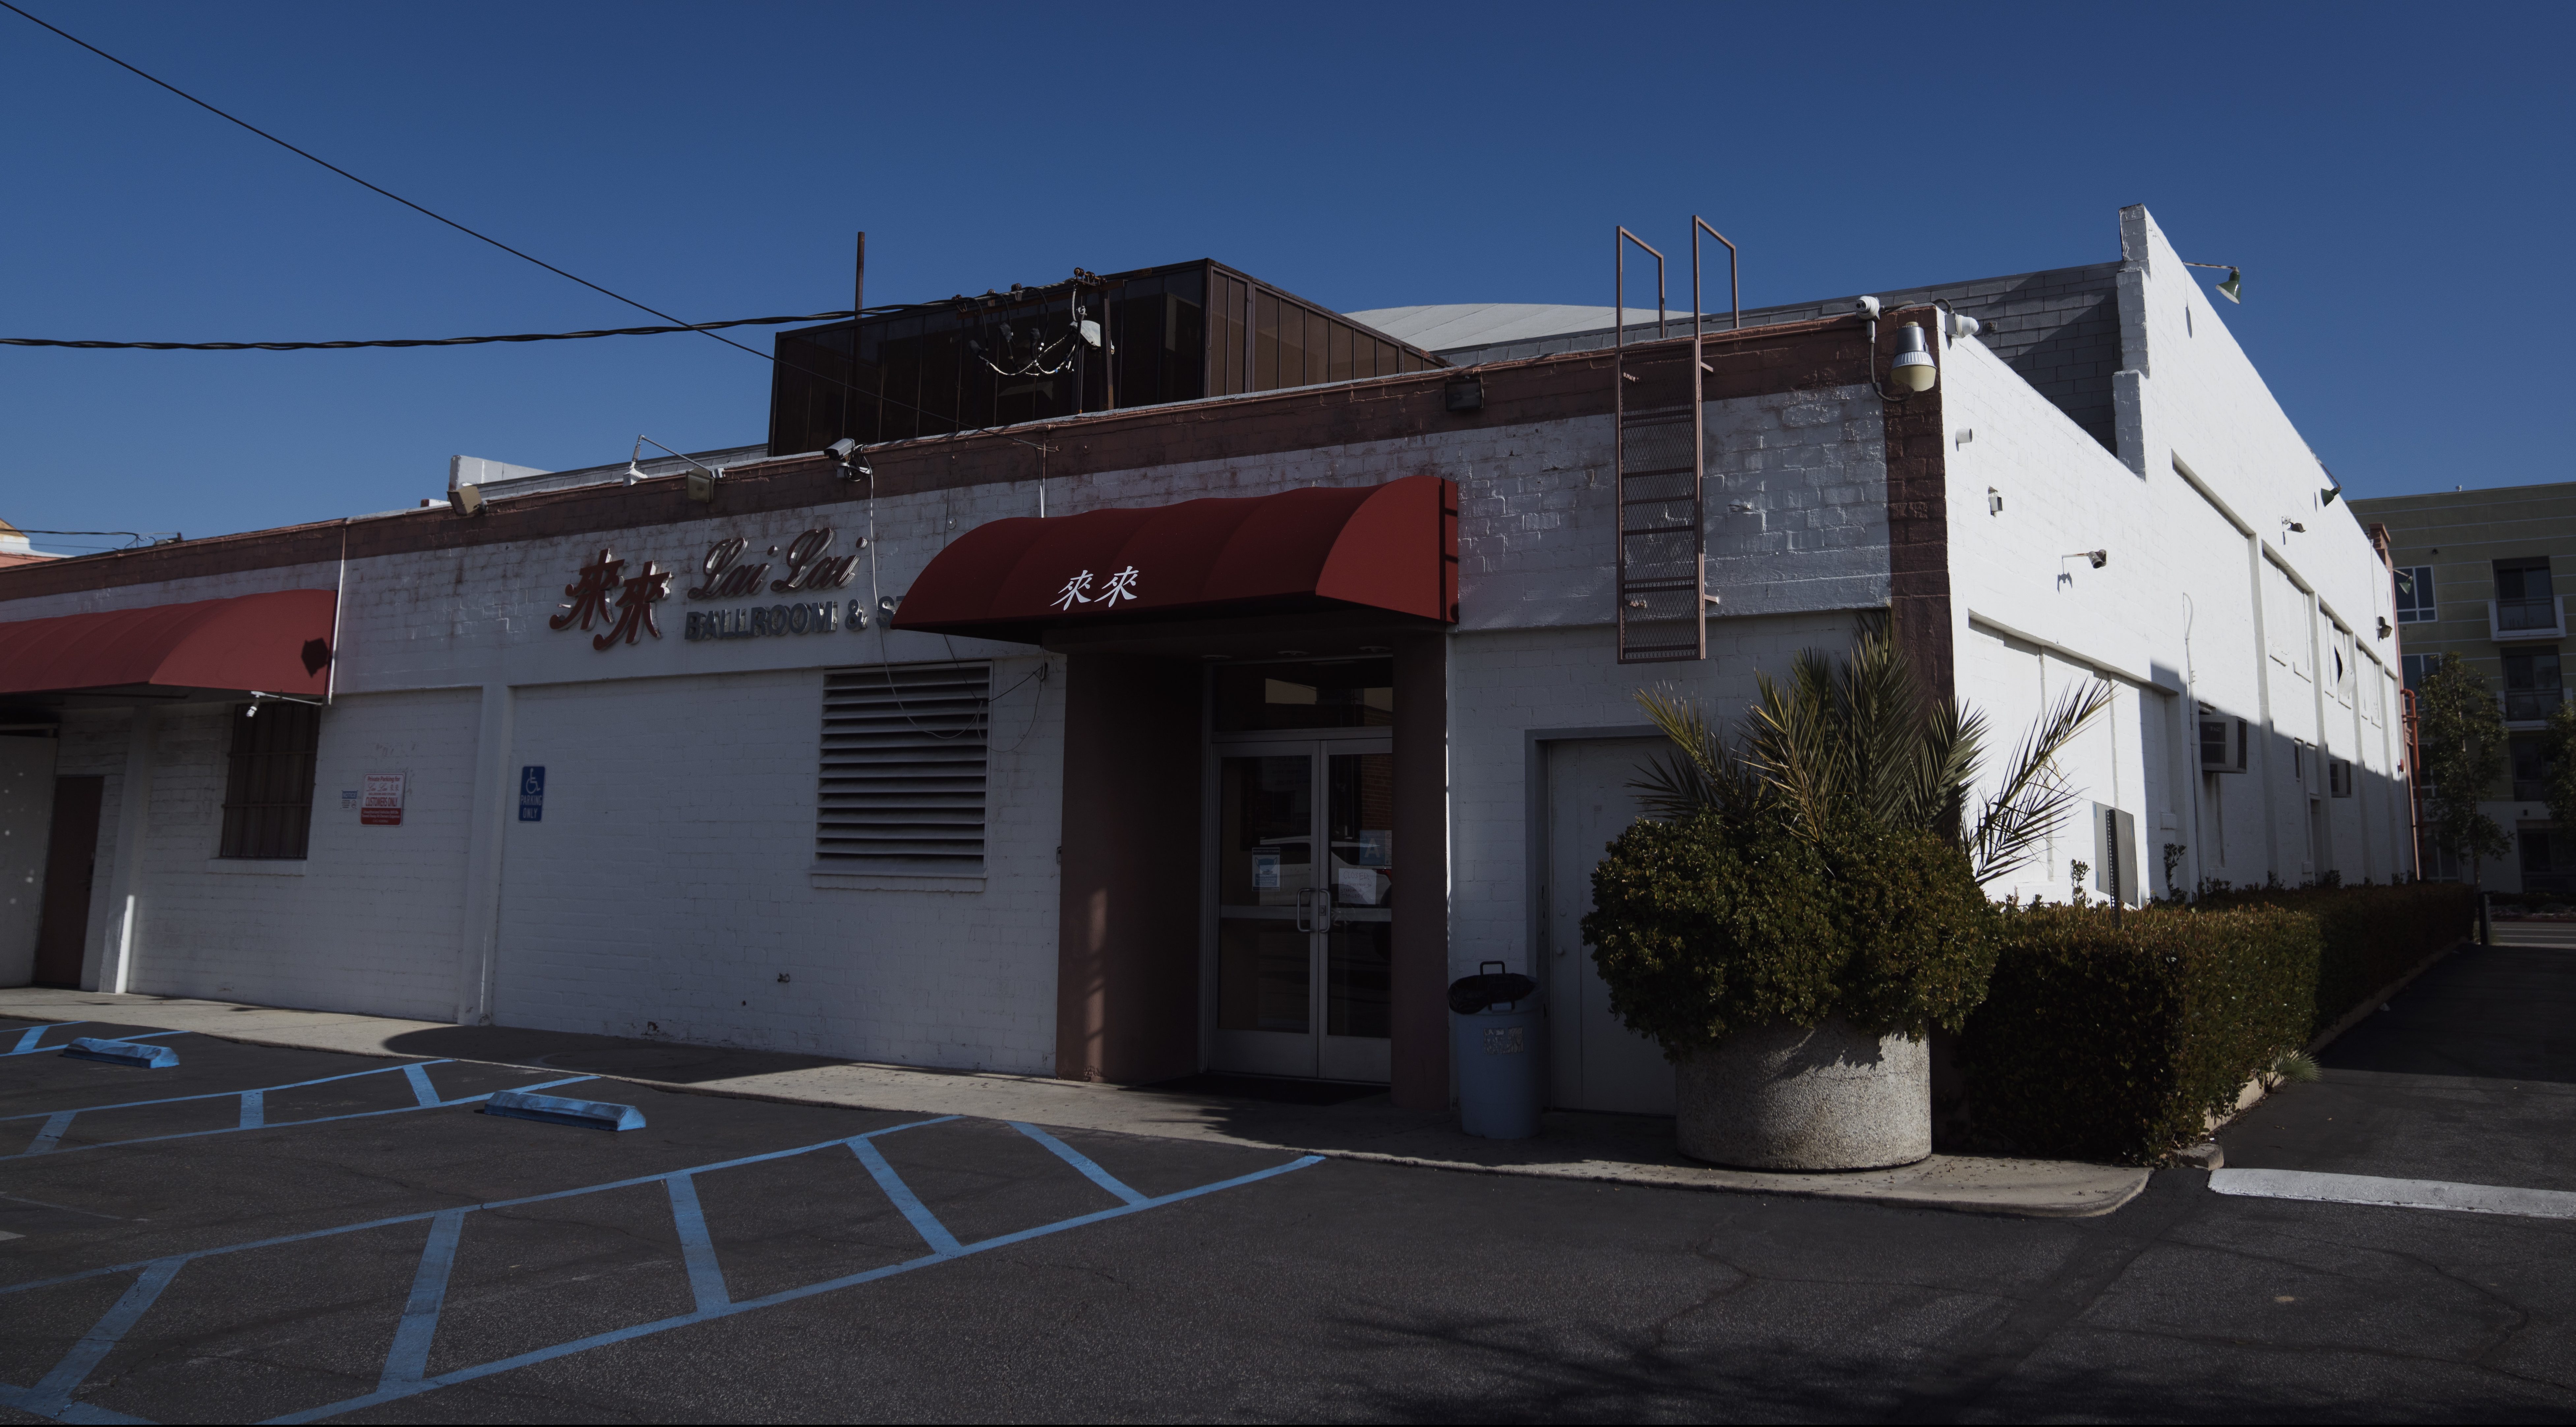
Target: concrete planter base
(1794,1097)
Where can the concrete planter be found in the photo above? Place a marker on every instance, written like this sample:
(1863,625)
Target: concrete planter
(1794,1097)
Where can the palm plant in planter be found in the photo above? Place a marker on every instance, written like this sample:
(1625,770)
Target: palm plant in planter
(1805,903)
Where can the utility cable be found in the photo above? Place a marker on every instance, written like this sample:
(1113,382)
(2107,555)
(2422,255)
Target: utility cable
(362,183)
(843,383)
(411,341)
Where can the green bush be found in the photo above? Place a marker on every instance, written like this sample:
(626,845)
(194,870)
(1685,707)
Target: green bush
(2373,935)
(1711,924)
(2113,1038)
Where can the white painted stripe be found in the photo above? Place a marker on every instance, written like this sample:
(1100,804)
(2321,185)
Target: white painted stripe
(2394,1193)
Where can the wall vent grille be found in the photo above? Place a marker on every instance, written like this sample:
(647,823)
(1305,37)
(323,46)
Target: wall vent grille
(903,769)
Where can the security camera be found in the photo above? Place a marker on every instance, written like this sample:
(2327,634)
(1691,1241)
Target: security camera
(1962,325)
(1866,308)
(840,450)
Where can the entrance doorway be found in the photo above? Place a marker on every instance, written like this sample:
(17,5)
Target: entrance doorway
(1302,873)
(71,864)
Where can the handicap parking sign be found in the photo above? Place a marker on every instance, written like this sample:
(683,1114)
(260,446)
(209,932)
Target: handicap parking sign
(532,793)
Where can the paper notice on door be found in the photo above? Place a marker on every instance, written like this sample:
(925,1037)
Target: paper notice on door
(1356,886)
(1265,871)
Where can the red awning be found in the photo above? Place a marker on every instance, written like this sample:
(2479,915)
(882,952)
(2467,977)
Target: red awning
(277,643)
(1392,547)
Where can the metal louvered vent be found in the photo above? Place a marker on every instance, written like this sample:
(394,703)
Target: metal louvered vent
(903,768)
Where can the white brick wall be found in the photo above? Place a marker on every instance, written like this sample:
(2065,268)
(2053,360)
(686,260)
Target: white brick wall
(671,883)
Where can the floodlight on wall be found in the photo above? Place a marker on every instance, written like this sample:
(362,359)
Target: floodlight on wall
(2232,285)
(465,500)
(853,465)
(701,483)
(1913,368)
(1956,324)
(2327,496)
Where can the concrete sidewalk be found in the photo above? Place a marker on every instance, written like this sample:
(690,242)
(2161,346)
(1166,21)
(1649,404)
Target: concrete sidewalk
(1623,1149)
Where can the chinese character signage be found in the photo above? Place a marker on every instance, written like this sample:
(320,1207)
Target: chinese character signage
(619,603)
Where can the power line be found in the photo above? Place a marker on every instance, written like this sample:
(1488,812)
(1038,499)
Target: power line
(680,326)
(362,183)
(410,341)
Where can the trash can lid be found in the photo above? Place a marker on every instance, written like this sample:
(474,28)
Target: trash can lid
(1489,987)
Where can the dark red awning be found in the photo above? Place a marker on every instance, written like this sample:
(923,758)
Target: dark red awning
(1392,547)
(277,643)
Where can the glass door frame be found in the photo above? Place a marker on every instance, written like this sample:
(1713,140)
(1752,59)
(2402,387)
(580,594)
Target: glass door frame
(1325,1056)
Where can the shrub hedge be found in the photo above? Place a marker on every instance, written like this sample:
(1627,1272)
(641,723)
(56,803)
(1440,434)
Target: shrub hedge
(1708,926)
(2373,935)
(2110,1039)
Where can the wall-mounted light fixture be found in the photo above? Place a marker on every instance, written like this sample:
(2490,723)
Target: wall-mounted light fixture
(2384,627)
(1954,323)
(853,465)
(1994,501)
(2327,496)
(465,500)
(701,483)
(2292,527)
(2233,284)
(1913,369)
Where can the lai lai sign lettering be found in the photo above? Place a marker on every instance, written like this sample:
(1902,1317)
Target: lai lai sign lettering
(605,594)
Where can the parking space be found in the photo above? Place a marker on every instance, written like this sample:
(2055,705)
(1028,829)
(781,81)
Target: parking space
(259,1233)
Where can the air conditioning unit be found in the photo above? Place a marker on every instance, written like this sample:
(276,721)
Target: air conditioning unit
(2339,777)
(2222,745)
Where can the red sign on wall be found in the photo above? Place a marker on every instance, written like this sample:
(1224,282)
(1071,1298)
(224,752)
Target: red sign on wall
(383,801)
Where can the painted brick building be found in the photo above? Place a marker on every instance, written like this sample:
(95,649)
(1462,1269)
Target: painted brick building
(868,806)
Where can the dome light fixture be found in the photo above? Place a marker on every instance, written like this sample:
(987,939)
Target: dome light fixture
(2233,284)
(1913,368)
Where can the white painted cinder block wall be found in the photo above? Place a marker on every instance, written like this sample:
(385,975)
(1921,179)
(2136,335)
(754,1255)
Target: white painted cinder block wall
(671,881)
(2207,598)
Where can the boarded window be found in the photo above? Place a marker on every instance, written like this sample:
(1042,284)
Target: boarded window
(903,769)
(268,789)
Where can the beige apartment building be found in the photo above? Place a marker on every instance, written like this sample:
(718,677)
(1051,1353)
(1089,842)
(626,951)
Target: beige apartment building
(2476,576)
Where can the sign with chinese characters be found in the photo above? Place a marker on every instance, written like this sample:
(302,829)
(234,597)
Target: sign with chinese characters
(1078,591)
(629,615)
(382,802)
(605,595)
(532,793)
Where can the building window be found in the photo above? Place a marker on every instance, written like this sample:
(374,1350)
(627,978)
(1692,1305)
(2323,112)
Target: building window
(2531,687)
(2524,599)
(2414,594)
(2416,667)
(268,789)
(903,769)
(2530,767)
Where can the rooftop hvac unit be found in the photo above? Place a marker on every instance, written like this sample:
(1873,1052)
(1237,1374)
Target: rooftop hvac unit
(2222,745)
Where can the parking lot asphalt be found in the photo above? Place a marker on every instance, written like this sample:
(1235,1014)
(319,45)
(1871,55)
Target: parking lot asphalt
(363,1252)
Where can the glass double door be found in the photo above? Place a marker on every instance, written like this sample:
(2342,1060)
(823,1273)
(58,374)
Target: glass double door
(1305,890)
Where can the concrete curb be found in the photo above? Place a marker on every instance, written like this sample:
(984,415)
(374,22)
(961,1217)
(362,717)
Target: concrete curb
(1590,1149)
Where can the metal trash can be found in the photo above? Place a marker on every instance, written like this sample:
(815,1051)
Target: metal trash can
(1501,1038)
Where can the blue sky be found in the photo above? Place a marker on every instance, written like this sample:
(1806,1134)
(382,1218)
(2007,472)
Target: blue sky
(2393,182)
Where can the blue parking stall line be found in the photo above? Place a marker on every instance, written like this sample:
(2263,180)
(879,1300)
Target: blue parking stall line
(27,1042)
(547,1197)
(254,1110)
(697,1249)
(28,1049)
(418,1075)
(215,1094)
(57,1387)
(25,1400)
(789,1295)
(407,1361)
(50,1133)
(1079,1161)
(906,1202)
(289,1124)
